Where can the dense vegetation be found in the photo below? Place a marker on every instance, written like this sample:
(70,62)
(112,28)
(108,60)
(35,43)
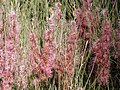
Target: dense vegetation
(59,45)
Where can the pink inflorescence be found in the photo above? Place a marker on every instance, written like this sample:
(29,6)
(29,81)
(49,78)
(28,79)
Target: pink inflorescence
(101,51)
(67,54)
(9,54)
(84,19)
(34,53)
(48,59)
(70,48)
(43,61)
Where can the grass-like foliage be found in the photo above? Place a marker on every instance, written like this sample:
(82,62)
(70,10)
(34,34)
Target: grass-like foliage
(59,45)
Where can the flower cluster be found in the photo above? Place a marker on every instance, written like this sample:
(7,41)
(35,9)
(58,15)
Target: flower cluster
(67,54)
(49,53)
(49,59)
(101,52)
(44,61)
(21,69)
(10,52)
(84,19)
(40,61)
(34,53)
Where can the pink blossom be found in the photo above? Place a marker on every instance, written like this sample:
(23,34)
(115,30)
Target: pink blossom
(10,52)
(101,51)
(43,61)
(66,64)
